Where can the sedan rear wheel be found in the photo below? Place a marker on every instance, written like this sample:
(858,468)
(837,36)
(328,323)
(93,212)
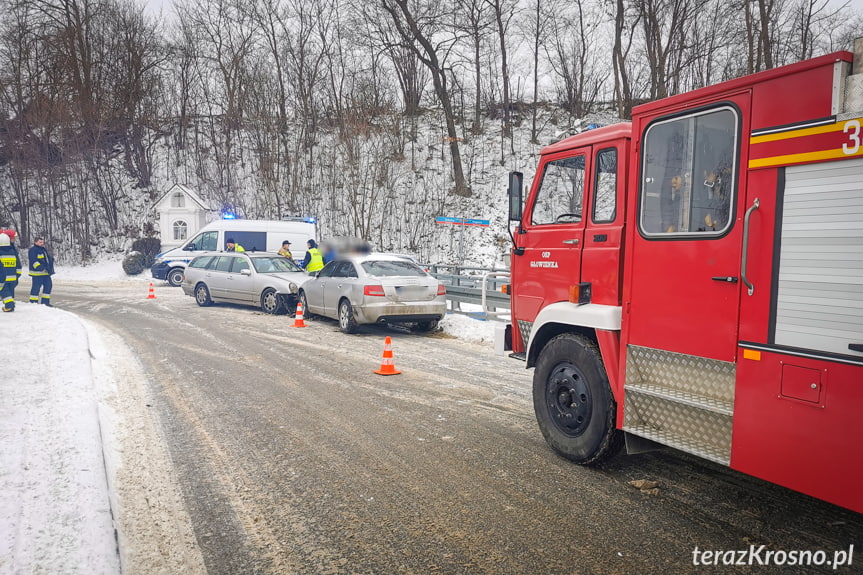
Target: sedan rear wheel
(202,295)
(272,303)
(347,323)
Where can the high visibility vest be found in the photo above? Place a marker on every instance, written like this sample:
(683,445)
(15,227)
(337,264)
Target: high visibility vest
(317,260)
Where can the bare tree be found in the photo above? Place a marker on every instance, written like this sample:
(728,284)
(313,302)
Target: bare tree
(665,26)
(417,30)
(225,35)
(713,38)
(476,26)
(625,22)
(573,60)
(503,11)
(539,27)
(765,8)
(810,17)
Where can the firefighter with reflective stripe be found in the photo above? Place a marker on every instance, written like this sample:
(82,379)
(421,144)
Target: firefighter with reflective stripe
(41,270)
(314,259)
(11,271)
(286,250)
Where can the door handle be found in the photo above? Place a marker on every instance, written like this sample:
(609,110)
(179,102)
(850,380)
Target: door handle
(856,347)
(751,209)
(728,279)
(573,241)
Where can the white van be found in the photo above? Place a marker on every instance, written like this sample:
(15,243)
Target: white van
(253,235)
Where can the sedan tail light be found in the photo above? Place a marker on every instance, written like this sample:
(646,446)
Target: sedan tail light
(374,290)
(441,289)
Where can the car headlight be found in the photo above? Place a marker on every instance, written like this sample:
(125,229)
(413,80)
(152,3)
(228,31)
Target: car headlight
(293,287)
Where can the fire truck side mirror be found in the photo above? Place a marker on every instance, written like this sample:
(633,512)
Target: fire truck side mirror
(515,204)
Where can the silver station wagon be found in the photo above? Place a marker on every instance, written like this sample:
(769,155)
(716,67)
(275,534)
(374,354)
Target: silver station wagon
(375,288)
(265,280)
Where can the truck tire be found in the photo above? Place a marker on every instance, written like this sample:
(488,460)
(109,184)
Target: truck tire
(175,276)
(572,398)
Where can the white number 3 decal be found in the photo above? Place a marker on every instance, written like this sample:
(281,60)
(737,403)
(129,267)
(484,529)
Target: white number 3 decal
(853,145)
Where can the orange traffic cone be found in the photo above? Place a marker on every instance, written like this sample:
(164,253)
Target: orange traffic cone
(387,365)
(152,294)
(298,320)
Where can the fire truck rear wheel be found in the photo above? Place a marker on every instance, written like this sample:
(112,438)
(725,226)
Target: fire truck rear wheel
(573,402)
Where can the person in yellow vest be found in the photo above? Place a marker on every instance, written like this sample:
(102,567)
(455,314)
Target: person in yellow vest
(314,259)
(234,246)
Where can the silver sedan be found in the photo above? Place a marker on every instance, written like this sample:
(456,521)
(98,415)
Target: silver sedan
(375,288)
(264,280)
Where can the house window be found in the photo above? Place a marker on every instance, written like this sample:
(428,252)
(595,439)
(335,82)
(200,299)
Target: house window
(178,200)
(180,230)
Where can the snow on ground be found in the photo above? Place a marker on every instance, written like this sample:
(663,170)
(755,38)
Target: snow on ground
(55,502)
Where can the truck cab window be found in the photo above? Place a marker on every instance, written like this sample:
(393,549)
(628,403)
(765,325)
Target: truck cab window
(688,174)
(561,192)
(605,189)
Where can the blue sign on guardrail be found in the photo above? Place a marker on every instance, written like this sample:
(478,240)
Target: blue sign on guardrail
(462,221)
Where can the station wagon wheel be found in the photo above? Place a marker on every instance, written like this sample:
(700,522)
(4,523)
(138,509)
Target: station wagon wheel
(202,295)
(175,276)
(271,302)
(347,323)
(574,405)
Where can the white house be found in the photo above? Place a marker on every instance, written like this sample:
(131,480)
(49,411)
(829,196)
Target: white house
(182,212)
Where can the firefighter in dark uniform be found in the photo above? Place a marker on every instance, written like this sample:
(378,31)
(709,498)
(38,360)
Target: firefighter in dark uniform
(10,273)
(41,270)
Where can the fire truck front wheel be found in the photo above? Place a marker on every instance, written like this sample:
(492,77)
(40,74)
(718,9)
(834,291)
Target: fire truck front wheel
(573,402)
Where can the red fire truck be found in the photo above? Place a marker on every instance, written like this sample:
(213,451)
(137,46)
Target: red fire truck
(694,279)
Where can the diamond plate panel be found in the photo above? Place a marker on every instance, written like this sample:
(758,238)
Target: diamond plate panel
(524,328)
(688,374)
(853,97)
(697,431)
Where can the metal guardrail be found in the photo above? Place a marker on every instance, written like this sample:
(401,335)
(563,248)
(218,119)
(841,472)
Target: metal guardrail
(474,285)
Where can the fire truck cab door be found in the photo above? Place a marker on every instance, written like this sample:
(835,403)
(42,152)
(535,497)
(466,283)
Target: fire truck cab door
(683,288)
(552,233)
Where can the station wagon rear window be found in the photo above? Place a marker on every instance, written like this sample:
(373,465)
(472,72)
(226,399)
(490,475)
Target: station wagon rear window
(688,174)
